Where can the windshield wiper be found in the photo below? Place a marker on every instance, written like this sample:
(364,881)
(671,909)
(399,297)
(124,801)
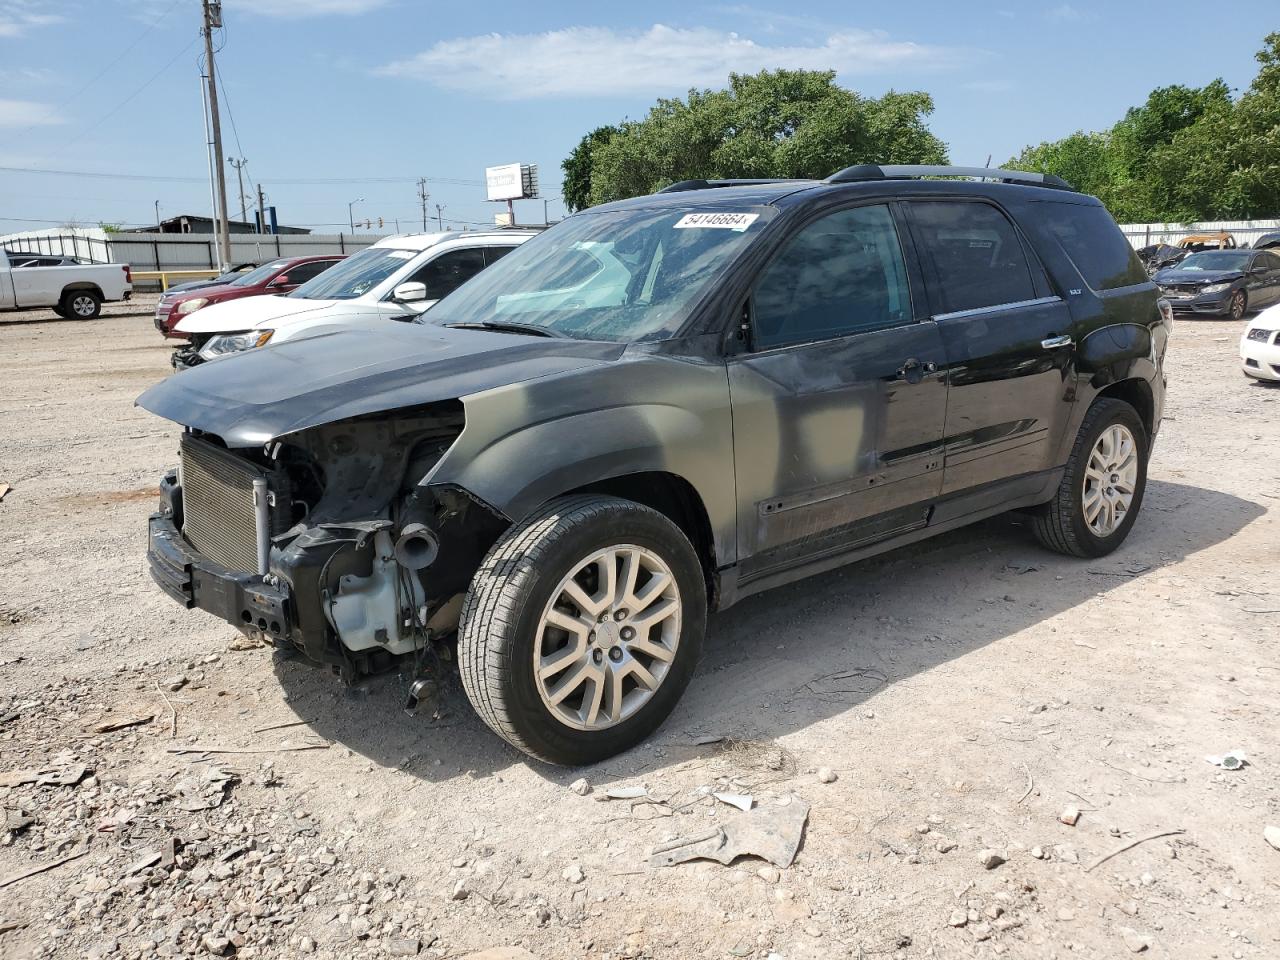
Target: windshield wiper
(508,326)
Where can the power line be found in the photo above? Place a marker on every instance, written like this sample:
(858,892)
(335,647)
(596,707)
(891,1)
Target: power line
(309,181)
(127,100)
(123,53)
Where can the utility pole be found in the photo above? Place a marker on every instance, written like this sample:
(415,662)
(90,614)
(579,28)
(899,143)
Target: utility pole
(439,216)
(262,211)
(422,198)
(238,163)
(157,215)
(212,20)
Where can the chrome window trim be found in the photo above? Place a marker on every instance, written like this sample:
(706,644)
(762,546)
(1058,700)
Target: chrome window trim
(995,308)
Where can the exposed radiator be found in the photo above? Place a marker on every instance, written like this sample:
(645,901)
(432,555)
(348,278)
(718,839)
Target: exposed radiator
(219,518)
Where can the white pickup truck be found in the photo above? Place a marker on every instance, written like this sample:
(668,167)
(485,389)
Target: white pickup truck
(76,292)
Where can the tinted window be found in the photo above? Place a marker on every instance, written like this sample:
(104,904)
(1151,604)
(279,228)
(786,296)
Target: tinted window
(843,274)
(1270,261)
(493,254)
(303,272)
(975,254)
(447,272)
(1094,243)
(258,275)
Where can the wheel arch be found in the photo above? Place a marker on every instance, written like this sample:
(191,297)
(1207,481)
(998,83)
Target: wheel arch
(79,286)
(1136,392)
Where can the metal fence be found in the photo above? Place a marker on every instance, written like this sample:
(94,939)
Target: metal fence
(175,251)
(1245,231)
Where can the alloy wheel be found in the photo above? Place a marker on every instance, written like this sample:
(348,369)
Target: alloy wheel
(82,306)
(1110,480)
(607,638)
(1237,306)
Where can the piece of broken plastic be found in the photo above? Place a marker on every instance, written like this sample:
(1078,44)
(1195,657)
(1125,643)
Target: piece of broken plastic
(771,832)
(1231,760)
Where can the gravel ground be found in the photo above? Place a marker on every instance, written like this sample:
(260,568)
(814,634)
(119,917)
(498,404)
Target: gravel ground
(964,693)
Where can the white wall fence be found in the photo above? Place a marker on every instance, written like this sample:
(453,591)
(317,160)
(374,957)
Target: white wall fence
(1245,231)
(180,251)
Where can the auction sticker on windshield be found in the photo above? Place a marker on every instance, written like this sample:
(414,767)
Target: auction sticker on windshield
(719,221)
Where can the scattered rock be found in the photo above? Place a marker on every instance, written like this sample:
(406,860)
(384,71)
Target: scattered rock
(958,918)
(408,947)
(981,931)
(175,683)
(218,946)
(1136,942)
(459,891)
(580,786)
(827,775)
(769,874)
(990,859)
(945,846)
(1066,914)
(1272,836)
(1038,853)
(1070,816)
(307,945)
(573,874)
(360,928)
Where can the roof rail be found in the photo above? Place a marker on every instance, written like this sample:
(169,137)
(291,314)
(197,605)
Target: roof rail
(680,186)
(873,171)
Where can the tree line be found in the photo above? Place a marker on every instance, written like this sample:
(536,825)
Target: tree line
(1187,153)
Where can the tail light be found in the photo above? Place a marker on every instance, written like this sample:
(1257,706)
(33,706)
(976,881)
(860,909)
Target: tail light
(1166,312)
(128,274)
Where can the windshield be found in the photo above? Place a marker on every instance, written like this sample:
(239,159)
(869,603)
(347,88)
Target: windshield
(616,275)
(1216,260)
(356,275)
(258,275)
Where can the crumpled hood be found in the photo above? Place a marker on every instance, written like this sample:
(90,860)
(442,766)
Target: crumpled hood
(254,397)
(247,313)
(1202,277)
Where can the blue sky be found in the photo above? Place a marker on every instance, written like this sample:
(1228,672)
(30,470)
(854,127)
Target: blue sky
(379,92)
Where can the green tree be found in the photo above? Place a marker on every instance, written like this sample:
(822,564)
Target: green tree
(781,123)
(1185,154)
(577,168)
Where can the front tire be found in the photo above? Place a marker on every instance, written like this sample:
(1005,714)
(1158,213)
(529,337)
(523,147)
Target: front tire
(1238,305)
(582,628)
(1101,491)
(81,305)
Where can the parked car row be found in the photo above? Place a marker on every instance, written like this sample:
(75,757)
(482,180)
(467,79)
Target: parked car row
(1225,283)
(395,278)
(652,410)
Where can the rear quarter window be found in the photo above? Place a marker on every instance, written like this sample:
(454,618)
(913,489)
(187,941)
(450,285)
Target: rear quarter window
(1094,243)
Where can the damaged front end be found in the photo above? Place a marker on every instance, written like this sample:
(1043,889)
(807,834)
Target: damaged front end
(328,541)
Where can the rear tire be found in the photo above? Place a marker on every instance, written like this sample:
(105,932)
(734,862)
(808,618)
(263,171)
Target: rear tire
(81,305)
(578,693)
(1101,491)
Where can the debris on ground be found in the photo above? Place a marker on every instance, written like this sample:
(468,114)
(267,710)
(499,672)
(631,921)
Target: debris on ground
(4,490)
(742,801)
(581,786)
(1231,760)
(1070,816)
(827,775)
(625,793)
(770,831)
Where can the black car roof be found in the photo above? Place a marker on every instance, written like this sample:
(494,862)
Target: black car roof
(787,193)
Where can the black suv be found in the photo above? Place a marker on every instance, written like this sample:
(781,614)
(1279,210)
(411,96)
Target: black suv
(654,409)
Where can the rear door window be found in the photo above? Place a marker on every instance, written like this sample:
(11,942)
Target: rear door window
(302,272)
(1094,243)
(447,272)
(974,254)
(493,254)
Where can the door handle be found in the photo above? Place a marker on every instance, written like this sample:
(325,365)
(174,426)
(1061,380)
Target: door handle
(913,371)
(1053,343)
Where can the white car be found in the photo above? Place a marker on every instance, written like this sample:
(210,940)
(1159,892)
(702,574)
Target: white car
(75,291)
(397,277)
(1260,346)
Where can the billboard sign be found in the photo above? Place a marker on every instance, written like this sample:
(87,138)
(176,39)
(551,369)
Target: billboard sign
(505,182)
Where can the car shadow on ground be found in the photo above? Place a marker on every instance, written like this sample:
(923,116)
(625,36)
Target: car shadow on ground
(783,660)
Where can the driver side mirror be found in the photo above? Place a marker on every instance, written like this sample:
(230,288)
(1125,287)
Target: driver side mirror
(1258,271)
(409,292)
(280,281)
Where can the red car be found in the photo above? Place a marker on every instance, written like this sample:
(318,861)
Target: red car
(278,276)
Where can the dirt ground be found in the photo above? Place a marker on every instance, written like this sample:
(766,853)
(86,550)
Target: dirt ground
(965,691)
